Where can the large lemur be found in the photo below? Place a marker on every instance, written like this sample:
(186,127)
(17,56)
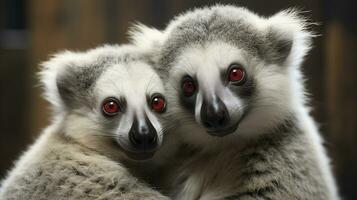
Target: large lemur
(235,87)
(107,104)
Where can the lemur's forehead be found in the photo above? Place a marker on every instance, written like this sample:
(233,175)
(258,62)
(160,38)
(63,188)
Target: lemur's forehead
(131,80)
(208,58)
(238,28)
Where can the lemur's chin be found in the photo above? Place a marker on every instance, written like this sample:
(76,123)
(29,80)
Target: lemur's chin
(137,154)
(226,130)
(142,156)
(223,132)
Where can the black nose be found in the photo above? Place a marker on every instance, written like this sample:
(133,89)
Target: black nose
(143,135)
(214,115)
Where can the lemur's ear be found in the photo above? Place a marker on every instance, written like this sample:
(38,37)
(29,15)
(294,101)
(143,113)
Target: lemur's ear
(145,37)
(64,81)
(288,39)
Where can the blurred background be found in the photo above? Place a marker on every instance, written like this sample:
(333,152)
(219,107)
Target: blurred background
(32,30)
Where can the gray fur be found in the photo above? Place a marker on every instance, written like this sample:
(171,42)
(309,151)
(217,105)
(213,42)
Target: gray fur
(208,24)
(64,169)
(273,166)
(75,84)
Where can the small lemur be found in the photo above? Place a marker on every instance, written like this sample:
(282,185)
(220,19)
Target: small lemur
(107,104)
(236,90)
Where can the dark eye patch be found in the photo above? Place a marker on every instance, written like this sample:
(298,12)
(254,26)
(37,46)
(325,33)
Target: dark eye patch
(157,102)
(188,102)
(244,90)
(247,89)
(120,103)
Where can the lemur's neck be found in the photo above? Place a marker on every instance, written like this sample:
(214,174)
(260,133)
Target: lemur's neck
(286,125)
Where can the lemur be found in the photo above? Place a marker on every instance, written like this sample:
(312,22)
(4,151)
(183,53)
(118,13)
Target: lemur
(106,105)
(236,91)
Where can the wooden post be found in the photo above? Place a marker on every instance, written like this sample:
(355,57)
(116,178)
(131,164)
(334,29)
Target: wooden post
(341,81)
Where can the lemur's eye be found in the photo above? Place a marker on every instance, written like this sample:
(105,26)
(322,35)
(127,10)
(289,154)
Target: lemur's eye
(188,86)
(111,106)
(158,103)
(236,74)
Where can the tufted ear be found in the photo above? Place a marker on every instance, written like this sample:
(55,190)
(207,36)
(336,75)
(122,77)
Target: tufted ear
(288,39)
(73,84)
(147,38)
(66,80)
(280,45)
(48,76)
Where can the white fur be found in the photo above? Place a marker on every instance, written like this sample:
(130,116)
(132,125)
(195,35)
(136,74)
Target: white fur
(145,37)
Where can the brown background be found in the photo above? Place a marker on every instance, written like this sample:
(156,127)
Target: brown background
(32,30)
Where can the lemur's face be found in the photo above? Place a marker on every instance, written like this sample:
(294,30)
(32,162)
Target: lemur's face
(130,100)
(215,82)
(231,71)
(226,90)
(112,99)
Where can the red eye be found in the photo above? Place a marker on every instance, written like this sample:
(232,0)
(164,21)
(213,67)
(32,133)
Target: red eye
(111,106)
(158,103)
(236,74)
(188,87)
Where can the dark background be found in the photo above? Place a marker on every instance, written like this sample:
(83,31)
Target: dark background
(32,30)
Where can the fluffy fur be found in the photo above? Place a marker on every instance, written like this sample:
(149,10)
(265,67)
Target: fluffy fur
(81,154)
(275,151)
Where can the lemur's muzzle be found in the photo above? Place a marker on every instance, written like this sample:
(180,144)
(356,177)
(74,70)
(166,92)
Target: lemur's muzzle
(143,135)
(215,117)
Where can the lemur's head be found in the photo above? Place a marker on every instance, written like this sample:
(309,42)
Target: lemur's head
(109,97)
(229,69)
